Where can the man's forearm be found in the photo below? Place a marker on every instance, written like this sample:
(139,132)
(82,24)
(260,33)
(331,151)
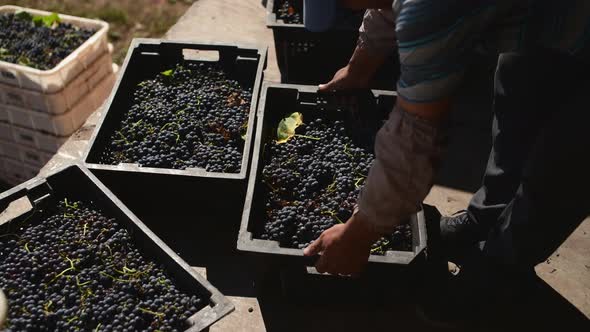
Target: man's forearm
(363,64)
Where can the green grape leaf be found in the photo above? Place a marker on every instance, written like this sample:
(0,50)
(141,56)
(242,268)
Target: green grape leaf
(23,61)
(244,131)
(168,72)
(23,15)
(287,126)
(47,21)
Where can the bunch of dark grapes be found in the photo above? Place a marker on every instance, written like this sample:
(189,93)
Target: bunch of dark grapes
(77,270)
(37,45)
(312,183)
(192,116)
(290,11)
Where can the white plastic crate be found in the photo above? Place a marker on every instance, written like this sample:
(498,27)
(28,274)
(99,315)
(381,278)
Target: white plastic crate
(55,79)
(33,139)
(62,101)
(24,154)
(16,172)
(6,132)
(3,174)
(3,114)
(62,124)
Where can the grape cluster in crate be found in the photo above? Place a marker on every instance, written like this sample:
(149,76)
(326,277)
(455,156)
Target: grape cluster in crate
(190,116)
(39,42)
(77,269)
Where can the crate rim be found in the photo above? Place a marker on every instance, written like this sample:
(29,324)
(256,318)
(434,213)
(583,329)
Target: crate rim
(205,317)
(104,27)
(246,241)
(122,167)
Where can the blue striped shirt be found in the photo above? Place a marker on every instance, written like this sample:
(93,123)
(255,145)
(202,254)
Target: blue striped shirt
(436,38)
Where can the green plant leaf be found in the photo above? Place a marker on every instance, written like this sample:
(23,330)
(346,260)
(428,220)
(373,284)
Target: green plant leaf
(168,72)
(287,126)
(23,61)
(23,15)
(244,131)
(47,21)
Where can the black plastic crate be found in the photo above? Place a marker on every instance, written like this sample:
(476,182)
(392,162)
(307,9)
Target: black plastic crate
(276,102)
(306,57)
(148,57)
(77,182)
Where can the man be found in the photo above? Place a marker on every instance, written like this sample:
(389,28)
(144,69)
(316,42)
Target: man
(532,195)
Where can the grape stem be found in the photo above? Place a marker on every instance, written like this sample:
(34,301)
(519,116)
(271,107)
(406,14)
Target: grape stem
(358,181)
(158,314)
(333,215)
(169,124)
(122,136)
(347,152)
(308,137)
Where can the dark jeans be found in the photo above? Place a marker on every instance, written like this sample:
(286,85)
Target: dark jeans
(536,188)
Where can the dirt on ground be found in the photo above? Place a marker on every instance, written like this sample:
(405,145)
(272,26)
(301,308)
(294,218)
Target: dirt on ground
(127,18)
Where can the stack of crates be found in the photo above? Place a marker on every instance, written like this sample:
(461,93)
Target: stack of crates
(306,57)
(40,109)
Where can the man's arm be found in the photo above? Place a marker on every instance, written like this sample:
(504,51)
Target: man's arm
(376,43)
(434,47)
(408,150)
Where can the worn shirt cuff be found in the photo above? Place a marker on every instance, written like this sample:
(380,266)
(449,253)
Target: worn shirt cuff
(408,151)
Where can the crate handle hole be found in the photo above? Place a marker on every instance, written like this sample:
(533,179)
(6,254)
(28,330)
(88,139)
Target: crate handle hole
(200,55)
(27,138)
(9,75)
(16,209)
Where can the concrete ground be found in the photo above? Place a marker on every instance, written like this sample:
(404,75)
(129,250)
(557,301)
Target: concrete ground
(565,297)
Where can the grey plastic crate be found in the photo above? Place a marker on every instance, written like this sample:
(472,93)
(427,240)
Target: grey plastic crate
(76,181)
(276,101)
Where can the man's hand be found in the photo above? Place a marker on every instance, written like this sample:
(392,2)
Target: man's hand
(344,79)
(344,248)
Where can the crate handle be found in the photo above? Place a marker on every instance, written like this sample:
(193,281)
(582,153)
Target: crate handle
(8,75)
(26,137)
(33,191)
(15,208)
(32,156)
(226,53)
(15,99)
(200,55)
